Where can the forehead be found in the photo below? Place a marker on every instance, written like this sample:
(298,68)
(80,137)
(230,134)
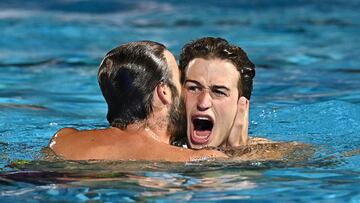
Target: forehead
(213,72)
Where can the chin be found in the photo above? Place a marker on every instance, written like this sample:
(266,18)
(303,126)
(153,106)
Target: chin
(196,146)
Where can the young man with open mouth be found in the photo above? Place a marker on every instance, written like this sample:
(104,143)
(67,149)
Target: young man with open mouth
(217,78)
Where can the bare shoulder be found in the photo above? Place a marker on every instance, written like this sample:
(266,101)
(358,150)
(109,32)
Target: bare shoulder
(73,144)
(66,131)
(59,135)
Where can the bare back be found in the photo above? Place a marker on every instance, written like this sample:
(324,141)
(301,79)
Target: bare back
(116,144)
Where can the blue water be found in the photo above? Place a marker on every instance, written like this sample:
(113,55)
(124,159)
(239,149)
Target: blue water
(306,89)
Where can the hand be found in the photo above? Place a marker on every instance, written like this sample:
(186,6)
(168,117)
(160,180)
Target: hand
(239,131)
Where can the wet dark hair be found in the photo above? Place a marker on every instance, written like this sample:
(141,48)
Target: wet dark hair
(209,48)
(128,76)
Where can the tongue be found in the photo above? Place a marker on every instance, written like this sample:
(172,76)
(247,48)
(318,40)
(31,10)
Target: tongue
(200,136)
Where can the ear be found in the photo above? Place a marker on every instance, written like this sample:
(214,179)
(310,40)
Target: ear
(162,95)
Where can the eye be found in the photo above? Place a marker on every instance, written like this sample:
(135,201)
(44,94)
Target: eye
(193,88)
(220,93)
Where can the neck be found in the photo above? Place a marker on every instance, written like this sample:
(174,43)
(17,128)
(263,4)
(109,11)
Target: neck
(157,126)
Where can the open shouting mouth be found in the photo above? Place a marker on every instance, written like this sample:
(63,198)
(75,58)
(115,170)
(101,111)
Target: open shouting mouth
(202,128)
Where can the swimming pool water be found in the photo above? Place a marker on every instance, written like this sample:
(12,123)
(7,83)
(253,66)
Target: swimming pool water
(306,89)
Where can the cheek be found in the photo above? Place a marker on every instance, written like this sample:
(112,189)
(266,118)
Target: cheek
(189,102)
(227,112)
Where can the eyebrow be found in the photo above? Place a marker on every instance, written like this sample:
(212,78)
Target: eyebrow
(211,87)
(194,81)
(220,87)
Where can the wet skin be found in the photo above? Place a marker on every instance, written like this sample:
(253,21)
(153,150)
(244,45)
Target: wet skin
(211,98)
(145,140)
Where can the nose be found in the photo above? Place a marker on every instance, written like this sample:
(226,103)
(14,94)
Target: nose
(204,101)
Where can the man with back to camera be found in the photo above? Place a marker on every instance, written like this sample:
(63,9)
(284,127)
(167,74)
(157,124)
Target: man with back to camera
(140,83)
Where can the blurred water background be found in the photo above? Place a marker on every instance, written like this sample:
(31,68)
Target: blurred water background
(306,89)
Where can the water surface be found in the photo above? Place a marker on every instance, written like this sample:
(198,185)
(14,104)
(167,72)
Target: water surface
(306,89)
